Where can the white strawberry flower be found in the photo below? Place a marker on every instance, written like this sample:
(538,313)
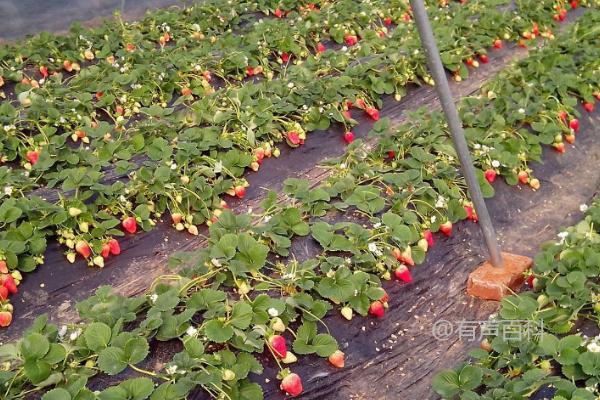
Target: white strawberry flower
(171,369)
(153,297)
(273,312)
(583,207)
(191,331)
(593,347)
(495,163)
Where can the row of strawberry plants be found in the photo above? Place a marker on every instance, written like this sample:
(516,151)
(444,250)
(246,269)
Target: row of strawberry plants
(232,299)
(558,361)
(121,89)
(196,178)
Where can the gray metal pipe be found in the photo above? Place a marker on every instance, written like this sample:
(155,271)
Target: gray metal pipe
(456,130)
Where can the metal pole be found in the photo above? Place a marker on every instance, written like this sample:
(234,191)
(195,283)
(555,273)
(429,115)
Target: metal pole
(456,130)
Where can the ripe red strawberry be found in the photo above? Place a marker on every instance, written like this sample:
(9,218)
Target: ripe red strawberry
(277,344)
(3,267)
(9,283)
(376,309)
(249,71)
(33,156)
(351,40)
(130,224)
(44,71)
(403,274)
(446,228)
(5,318)
(321,47)
(240,191)
(469,61)
(105,250)
(373,113)
(429,237)
(278,13)
(535,29)
(285,57)
(574,124)
(337,359)
(115,248)
(484,58)
(83,248)
(3,293)
(574,3)
(471,214)
(529,281)
(490,175)
(498,44)
(387,21)
(562,15)
(589,107)
(559,147)
(292,385)
(349,137)
(562,115)
(523,177)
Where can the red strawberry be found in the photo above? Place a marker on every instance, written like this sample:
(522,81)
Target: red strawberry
(429,237)
(385,297)
(3,267)
(5,318)
(484,58)
(498,44)
(349,137)
(469,61)
(562,15)
(3,293)
(115,248)
(292,385)
(83,248)
(294,138)
(321,47)
(376,309)
(105,250)
(471,214)
(9,283)
(403,274)
(490,175)
(240,191)
(529,281)
(387,21)
(373,113)
(523,177)
(337,359)
(589,107)
(278,13)
(446,228)
(33,156)
(391,154)
(285,57)
(574,3)
(535,29)
(349,104)
(277,344)
(351,40)
(129,224)
(562,115)
(559,147)
(44,71)
(574,124)
(249,71)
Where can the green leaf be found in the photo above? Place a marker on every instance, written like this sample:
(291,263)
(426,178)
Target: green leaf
(97,336)
(217,331)
(57,394)
(34,346)
(111,360)
(136,350)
